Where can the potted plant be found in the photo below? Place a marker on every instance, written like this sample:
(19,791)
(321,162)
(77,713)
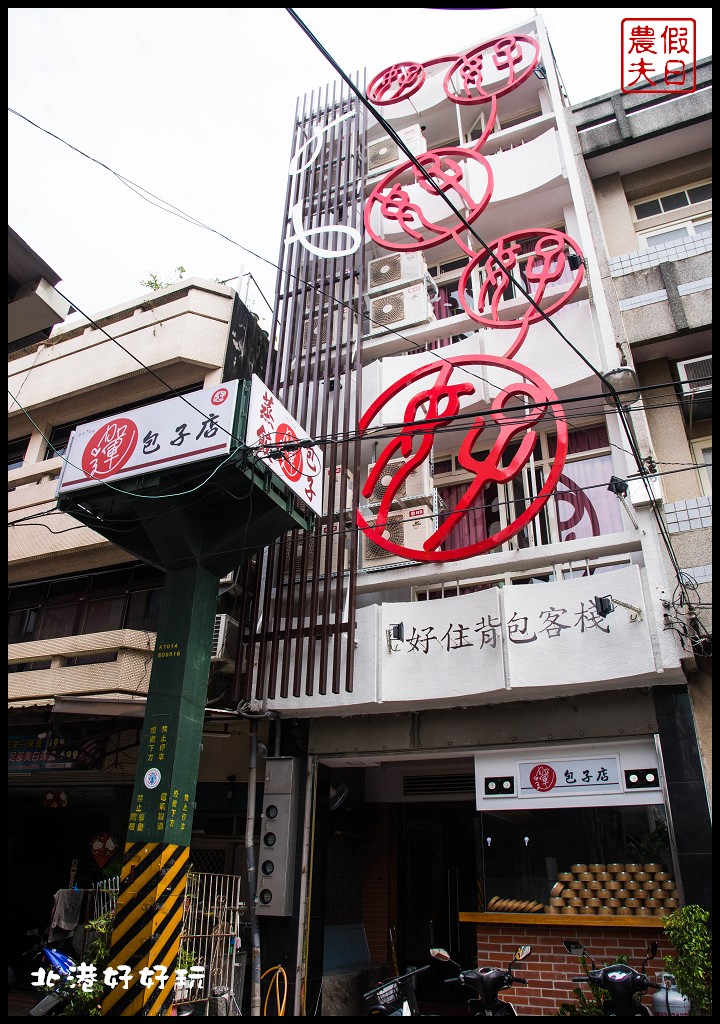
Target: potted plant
(686,929)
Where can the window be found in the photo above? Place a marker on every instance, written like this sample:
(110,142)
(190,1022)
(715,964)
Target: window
(17,451)
(671,201)
(581,507)
(676,233)
(702,454)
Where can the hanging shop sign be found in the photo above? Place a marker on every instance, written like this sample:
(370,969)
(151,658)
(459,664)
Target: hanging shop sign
(160,436)
(30,752)
(276,437)
(407,211)
(574,775)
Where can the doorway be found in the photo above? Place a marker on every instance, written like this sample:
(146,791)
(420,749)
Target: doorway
(437,878)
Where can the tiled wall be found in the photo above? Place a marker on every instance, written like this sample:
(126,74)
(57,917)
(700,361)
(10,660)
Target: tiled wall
(693,514)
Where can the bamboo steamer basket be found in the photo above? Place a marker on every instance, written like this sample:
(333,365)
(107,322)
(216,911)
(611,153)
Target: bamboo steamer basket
(613,903)
(565,876)
(586,876)
(632,884)
(632,904)
(604,894)
(603,876)
(567,894)
(653,904)
(667,885)
(651,886)
(663,876)
(597,867)
(568,910)
(643,911)
(550,909)
(613,885)
(622,876)
(585,894)
(593,902)
(671,904)
(557,889)
(622,894)
(577,868)
(605,911)
(652,869)
(576,902)
(594,885)
(575,884)
(643,876)
(633,868)
(614,868)
(557,901)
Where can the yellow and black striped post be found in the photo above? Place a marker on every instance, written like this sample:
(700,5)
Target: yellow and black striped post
(148,919)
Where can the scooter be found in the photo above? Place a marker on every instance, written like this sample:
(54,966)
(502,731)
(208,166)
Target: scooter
(56,970)
(486,983)
(394,997)
(623,984)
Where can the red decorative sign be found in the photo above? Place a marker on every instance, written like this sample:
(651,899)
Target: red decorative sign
(103,849)
(109,448)
(512,417)
(394,208)
(543,778)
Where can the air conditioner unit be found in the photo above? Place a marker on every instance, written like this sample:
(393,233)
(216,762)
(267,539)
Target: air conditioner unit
(397,269)
(293,558)
(416,488)
(695,375)
(385,153)
(409,528)
(342,496)
(225,640)
(397,310)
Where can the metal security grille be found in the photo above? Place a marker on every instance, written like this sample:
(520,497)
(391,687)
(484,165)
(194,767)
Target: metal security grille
(303,592)
(209,937)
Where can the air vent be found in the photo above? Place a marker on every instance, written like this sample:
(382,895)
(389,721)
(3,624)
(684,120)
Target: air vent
(408,530)
(416,487)
(695,374)
(385,153)
(394,531)
(406,308)
(395,270)
(438,785)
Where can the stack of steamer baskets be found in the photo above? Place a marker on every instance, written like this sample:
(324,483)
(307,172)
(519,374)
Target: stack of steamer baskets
(640,890)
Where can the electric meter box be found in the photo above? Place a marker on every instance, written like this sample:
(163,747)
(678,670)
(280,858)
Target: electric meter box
(278,837)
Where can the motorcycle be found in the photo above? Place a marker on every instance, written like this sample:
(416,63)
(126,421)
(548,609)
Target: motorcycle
(486,983)
(394,997)
(623,984)
(53,977)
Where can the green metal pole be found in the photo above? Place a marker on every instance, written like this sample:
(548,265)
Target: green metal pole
(148,918)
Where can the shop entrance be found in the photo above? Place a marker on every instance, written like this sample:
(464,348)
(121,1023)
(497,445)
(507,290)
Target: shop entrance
(437,879)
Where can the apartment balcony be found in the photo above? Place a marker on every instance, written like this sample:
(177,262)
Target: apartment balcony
(114,664)
(665,290)
(176,332)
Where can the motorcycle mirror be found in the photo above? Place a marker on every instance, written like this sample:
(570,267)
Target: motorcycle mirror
(576,948)
(440,954)
(522,952)
(651,950)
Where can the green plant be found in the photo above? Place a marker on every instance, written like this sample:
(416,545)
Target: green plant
(87,1002)
(686,929)
(153,281)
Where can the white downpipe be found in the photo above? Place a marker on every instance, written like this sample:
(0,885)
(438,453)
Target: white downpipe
(305,880)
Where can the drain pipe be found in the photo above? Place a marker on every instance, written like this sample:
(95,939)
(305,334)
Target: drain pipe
(255,971)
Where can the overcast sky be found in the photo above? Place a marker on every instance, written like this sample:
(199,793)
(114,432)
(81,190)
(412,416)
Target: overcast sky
(195,105)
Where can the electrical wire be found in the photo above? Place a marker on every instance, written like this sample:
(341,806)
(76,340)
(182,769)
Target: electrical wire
(280,1001)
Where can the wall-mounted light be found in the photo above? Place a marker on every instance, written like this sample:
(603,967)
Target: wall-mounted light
(622,382)
(540,72)
(604,606)
(396,631)
(620,487)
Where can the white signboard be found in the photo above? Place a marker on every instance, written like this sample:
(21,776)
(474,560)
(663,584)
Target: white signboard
(179,430)
(273,435)
(592,774)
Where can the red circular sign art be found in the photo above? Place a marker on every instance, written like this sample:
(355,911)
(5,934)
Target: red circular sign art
(437,394)
(219,396)
(291,462)
(548,264)
(543,778)
(109,449)
(399,202)
(492,69)
(398,82)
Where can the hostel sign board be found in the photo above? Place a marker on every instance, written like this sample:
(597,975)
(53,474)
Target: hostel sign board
(279,440)
(160,436)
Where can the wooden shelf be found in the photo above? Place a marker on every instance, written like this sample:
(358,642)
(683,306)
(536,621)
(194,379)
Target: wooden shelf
(566,920)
